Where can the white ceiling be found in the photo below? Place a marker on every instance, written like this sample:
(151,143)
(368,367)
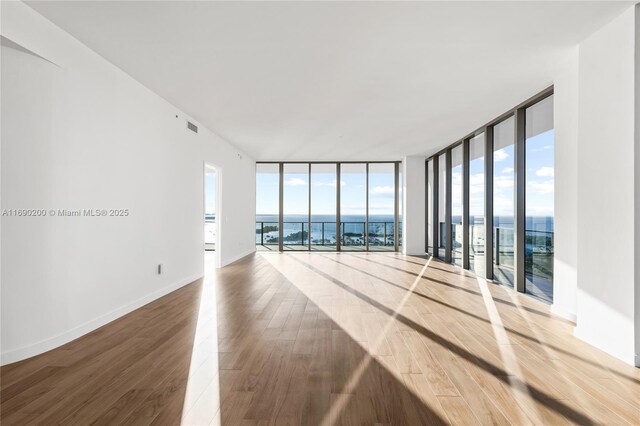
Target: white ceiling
(336,81)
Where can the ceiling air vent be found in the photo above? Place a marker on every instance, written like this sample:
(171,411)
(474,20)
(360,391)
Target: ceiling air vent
(192,127)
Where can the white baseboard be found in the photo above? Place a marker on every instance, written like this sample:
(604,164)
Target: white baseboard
(66,337)
(585,336)
(563,313)
(237,257)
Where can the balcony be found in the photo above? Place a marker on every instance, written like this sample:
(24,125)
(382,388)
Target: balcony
(323,236)
(538,256)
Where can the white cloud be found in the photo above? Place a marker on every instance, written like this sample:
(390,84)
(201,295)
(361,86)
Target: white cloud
(332,184)
(500,155)
(503,206)
(507,170)
(541,188)
(545,172)
(381,208)
(295,182)
(541,149)
(503,182)
(382,190)
(476,183)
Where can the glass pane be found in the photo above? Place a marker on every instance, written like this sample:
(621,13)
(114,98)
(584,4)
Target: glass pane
(476,204)
(430,182)
(353,201)
(539,200)
(456,205)
(381,206)
(295,235)
(323,206)
(400,204)
(442,186)
(503,201)
(267,206)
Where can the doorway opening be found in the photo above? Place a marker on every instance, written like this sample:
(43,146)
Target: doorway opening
(210,208)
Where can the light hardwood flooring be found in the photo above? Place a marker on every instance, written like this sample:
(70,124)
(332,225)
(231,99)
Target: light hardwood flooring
(324,339)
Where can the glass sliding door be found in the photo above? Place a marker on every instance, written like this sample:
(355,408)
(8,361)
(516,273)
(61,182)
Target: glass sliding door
(381,206)
(267,206)
(442,191)
(430,182)
(476,204)
(295,212)
(456,205)
(323,206)
(503,201)
(353,206)
(539,230)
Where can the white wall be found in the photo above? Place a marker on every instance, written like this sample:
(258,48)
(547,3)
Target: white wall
(78,133)
(565,270)
(607,199)
(413,194)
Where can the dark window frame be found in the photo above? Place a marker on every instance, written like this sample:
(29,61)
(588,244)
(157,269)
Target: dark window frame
(396,202)
(519,114)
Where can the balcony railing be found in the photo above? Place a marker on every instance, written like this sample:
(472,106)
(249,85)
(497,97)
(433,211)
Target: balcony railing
(324,233)
(538,247)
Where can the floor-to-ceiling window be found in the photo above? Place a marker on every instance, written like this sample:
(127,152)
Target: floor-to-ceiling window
(323,206)
(539,199)
(400,206)
(267,205)
(503,201)
(381,206)
(456,205)
(476,204)
(295,207)
(353,206)
(500,182)
(442,205)
(429,221)
(326,206)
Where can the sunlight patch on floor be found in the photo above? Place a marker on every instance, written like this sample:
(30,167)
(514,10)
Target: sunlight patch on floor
(305,283)
(508,357)
(341,402)
(202,397)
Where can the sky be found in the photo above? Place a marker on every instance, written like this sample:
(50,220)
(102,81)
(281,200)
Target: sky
(323,190)
(539,184)
(209,193)
(539,180)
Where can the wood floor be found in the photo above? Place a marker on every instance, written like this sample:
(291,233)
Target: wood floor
(324,339)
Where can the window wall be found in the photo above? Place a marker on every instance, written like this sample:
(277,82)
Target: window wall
(382,196)
(267,206)
(442,206)
(323,206)
(430,207)
(456,205)
(295,207)
(353,206)
(539,199)
(327,206)
(476,204)
(400,203)
(499,201)
(504,201)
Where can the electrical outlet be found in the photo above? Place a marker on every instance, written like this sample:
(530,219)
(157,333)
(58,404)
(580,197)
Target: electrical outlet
(160,268)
